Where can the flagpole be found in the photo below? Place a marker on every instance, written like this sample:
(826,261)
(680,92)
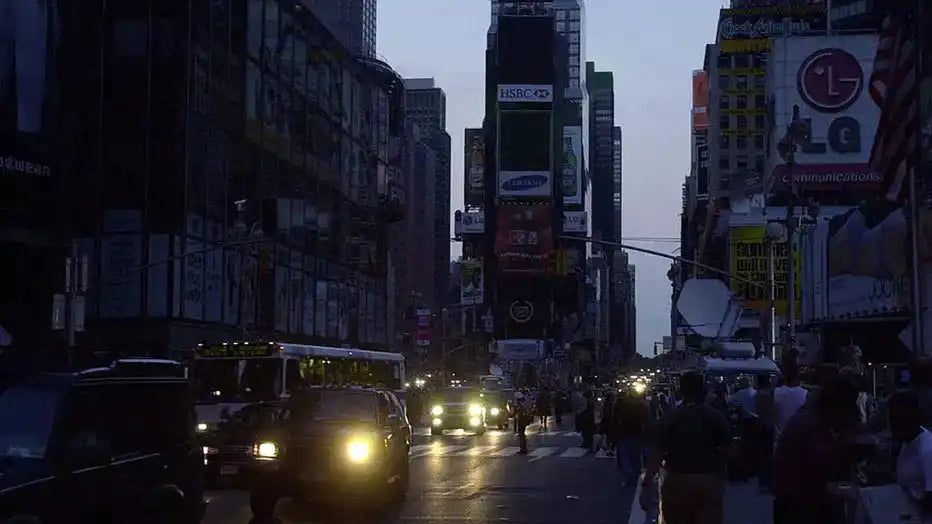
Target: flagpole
(913,224)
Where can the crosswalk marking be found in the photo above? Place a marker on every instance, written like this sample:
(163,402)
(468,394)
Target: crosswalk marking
(540,453)
(476,451)
(601,454)
(417,451)
(574,453)
(445,450)
(506,452)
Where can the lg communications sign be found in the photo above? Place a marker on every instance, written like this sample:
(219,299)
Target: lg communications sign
(525,93)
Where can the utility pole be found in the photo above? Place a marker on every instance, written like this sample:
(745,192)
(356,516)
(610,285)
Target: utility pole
(795,132)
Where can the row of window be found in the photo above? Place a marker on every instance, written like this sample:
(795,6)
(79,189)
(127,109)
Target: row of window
(742,60)
(742,82)
(741,163)
(741,101)
(741,122)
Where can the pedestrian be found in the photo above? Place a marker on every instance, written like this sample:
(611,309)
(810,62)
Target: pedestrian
(812,453)
(693,444)
(523,417)
(558,407)
(608,423)
(631,422)
(788,398)
(587,420)
(543,407)
(578,401)
(763,406)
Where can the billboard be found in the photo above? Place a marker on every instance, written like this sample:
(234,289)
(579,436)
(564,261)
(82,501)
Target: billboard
(576,222)
(826,77)
(525,154)
(750,30)
(700,111)
(701,158)
(472,282)
(524,239)
(473,222)
(535,93)
(474,164)
(571,174)
(867,263)
(422,327)
(749,259)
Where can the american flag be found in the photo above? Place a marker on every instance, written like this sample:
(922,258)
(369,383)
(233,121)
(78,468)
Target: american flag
(894,87)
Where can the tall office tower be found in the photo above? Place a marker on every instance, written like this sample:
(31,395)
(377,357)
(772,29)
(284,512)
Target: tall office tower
(353,22)
(601,87)
(426,105)
(616,182)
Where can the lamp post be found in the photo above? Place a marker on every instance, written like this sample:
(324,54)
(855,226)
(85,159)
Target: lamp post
(796,132)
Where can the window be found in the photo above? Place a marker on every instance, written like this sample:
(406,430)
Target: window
(741,162)
(761,60)
(759,122)
(741,82)
(561,26)
(573,38)
(741,142)
(724,82)
(574,14)
(574,49)
(741,101)
(561,15)
(574,60)
(760,81)
(759,141)
(742,61)
(574,26)
(724,122)
(724,61)
(724,164)
(759,164)
(724,142)
(574,82)
(723,101)
(741,122)
(574,72)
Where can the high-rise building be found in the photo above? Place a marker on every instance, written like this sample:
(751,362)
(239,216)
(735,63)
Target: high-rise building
(601,86)
(353,22)
(617,195)
(149,165)
(426,105)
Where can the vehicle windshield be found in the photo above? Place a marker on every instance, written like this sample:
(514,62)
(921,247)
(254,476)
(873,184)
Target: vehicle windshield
(237,380)
(27,416)
(335,405)
(458,395)
(494,398)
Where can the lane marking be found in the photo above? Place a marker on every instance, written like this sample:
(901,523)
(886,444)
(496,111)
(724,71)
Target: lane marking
(540,453)
(574,453)
(506,452)
(445,450)
(476,451)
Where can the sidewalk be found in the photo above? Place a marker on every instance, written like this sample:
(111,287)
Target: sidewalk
(744,504)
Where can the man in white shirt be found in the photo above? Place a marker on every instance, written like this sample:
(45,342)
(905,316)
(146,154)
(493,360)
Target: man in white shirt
(914,463)
(788,398)
(744,397)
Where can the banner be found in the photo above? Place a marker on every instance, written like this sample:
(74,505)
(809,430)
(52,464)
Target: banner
(422,327)
(701,143)
(524,239)
(571,175)
(700,100)
(867,263)
(749,258)
(474,164)
(472,282)
(576,222)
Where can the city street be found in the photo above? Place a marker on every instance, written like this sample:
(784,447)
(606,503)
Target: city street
(460,478)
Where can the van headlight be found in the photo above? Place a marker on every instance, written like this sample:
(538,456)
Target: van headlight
(436,411)
(265,450)
(201,427)
(494,412)
(358,450)
(475,410)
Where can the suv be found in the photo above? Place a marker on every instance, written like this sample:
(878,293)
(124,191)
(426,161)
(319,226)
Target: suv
(349,442)
(110,444)
(457,408)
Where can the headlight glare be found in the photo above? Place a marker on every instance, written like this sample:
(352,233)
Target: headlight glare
(357,450)
(265,450)
(436,411)
(202,427)
(494,412)
(475,410)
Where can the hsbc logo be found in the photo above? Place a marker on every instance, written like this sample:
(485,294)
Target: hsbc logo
(525,93)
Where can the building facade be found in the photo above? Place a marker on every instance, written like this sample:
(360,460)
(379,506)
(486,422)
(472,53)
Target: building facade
(232,181)
(353,22)
(427,107)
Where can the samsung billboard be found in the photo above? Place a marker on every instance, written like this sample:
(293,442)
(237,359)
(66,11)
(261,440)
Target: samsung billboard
(525,159)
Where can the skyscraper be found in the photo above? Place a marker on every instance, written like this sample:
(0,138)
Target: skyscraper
(353,22)
(426,106)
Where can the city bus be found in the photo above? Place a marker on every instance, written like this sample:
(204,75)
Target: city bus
(229,376)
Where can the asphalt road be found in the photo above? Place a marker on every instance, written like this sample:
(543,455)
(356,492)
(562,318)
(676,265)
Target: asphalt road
(460,478)
(464,479)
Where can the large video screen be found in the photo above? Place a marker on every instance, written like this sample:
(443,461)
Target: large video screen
(524,140)
(525,50)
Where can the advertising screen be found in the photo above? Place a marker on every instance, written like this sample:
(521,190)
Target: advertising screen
(525,50)
(700,100)
(571,160)
(29,57)
(827,78)
(524,240)
(474,162)
(525,160)
(749,260)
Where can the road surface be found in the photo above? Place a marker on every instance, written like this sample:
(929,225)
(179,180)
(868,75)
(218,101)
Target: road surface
(460,478)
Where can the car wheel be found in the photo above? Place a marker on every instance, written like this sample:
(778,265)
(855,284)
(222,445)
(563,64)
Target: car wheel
(436,431)
(262,504)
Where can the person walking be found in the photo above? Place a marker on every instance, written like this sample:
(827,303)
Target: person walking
(631,421)
(788,398)
(587,421)
(543,407)
(558,401)
(764,442)
(693,444)
(523,417)
(578,401)
(607,423)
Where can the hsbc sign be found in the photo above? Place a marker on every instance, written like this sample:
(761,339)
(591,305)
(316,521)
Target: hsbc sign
(525,93)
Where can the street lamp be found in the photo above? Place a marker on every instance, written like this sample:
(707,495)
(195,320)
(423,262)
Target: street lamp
(797,132)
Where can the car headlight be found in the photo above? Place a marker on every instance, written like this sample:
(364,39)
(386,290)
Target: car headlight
(357,450)
(265,450)
(202,427)
(475,410)
(494,412)
(436,411)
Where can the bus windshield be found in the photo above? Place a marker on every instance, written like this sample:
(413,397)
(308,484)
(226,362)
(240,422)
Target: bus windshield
(237,380)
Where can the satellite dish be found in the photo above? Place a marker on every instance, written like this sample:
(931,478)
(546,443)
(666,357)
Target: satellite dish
(709,308)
